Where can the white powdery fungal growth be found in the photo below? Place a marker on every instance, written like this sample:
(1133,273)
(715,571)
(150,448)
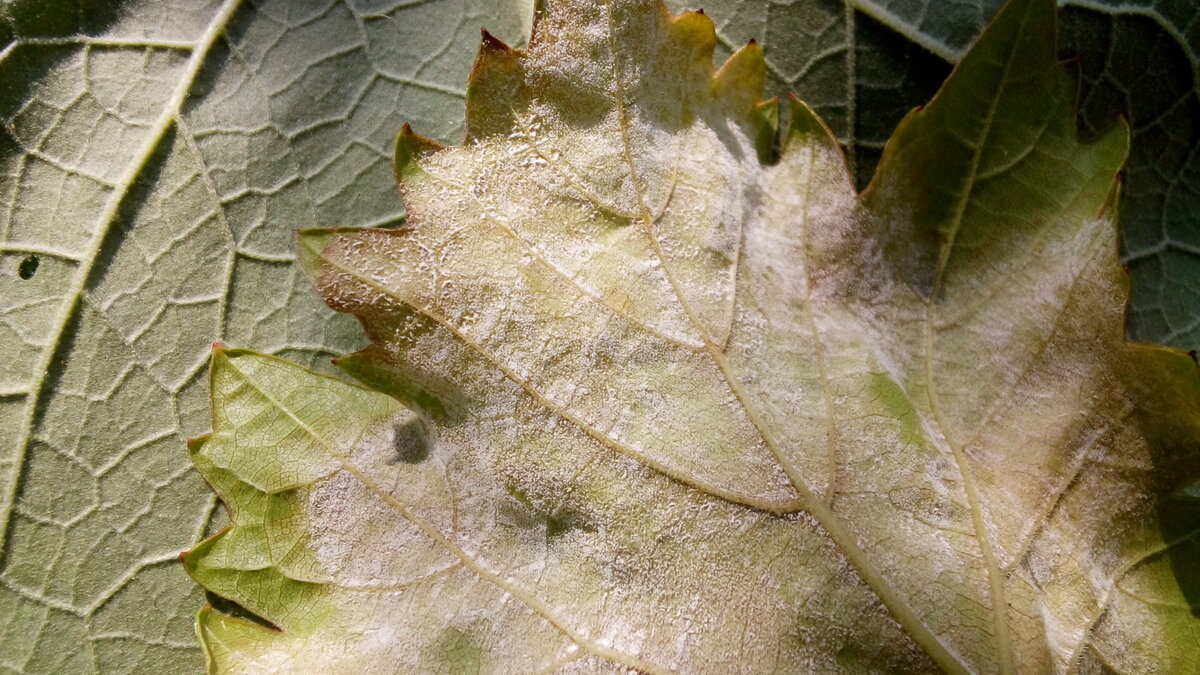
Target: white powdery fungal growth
(691,403)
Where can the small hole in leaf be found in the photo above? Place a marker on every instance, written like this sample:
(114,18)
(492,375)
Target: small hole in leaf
(28,267)
(411,441)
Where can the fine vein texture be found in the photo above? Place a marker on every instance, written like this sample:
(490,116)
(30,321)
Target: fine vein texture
(683,401)
(313,91)
(156,156)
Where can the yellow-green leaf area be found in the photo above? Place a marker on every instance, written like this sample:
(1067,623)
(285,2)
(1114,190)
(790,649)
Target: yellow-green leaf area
(682,400)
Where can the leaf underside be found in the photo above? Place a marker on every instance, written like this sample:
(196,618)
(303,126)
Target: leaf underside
(155,158)
(658,389)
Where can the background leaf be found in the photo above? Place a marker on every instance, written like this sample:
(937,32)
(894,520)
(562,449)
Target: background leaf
(288,123)
(156,158)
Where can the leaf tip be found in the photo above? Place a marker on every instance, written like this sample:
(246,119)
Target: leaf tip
(410,147)
(491,42)
(195,443)
(696,34)
(741,80)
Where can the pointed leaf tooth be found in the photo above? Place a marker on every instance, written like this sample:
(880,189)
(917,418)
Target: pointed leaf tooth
(495,91)
(236,563)
(803,122)
(410,147)
(740,81)
(222,565)
(680,86)
(321,261)
(309,245)
(695,34)
(491,43)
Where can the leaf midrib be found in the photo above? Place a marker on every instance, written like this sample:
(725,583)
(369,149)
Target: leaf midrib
(999,613)
(104,225)
(828,519)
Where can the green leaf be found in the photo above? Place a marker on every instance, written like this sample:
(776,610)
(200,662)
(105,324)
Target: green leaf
(1140,60)
(156,158)
(681,403)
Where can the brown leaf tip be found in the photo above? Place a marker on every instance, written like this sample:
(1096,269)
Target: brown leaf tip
(491,42)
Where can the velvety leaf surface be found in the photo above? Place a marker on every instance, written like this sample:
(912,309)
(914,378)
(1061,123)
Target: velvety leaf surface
(681,402)
(156,158)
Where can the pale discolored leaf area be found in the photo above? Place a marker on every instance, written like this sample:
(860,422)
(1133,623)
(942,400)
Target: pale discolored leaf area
(684,403)
(157,157)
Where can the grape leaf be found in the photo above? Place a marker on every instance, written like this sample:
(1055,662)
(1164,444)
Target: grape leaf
(1139,59)
(677,398)
(156,158)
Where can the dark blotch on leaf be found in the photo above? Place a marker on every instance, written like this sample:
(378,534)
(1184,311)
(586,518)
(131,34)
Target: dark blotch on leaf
(28,267)
(231,608)
(411,442)
(529,515)
(558,524)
